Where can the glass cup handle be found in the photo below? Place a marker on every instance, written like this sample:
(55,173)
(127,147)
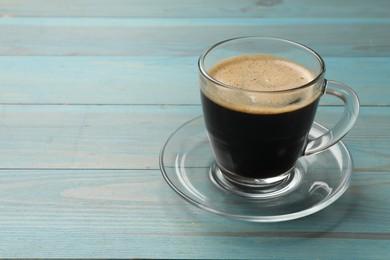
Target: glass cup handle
(342,127)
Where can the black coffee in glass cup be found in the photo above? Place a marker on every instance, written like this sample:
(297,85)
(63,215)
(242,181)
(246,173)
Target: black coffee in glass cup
(259,98)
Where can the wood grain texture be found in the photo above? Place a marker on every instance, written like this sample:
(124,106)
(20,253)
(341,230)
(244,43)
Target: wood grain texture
(91,89)
(118,214)
(152,80)
(185,37)
(130,137)
(194,8)
(80,136)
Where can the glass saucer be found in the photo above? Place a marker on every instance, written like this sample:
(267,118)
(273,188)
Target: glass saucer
(186,160)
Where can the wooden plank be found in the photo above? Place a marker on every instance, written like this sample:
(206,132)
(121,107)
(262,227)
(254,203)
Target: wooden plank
(130,137)
(80,136)
(194,8)
(116,214)
(151,80)
(96,137)
(185,37)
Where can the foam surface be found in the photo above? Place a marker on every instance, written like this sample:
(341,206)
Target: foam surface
(260,72)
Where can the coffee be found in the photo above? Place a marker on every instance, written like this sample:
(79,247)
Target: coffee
(258,135)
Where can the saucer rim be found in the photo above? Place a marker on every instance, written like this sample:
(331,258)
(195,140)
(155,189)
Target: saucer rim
(344,185)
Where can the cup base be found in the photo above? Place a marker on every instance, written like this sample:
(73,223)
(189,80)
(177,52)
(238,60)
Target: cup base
(257,188)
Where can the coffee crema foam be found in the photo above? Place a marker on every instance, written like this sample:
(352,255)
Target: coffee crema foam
(261,72)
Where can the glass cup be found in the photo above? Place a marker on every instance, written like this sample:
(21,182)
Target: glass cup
(257,135)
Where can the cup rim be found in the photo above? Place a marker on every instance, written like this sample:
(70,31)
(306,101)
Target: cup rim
(310,50)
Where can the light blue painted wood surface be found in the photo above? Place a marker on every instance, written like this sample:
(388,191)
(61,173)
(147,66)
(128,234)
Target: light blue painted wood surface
(90,90)
(121,80)
(183,37)
(195,8)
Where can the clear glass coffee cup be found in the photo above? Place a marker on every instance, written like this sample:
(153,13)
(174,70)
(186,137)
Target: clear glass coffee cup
(259,98)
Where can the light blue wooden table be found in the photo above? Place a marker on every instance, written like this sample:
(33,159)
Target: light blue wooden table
(91,89)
